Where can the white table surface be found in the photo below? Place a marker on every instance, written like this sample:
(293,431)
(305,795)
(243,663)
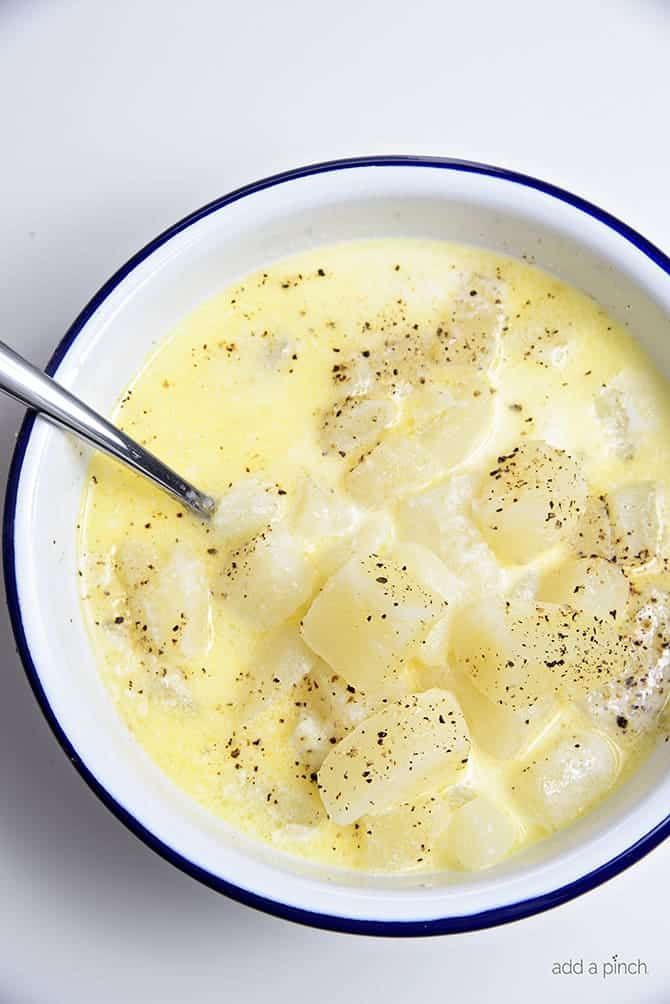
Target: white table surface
(115,120)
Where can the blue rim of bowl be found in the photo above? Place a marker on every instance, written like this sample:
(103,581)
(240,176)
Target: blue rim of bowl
(419,928)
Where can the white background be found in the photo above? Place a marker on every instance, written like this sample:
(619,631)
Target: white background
(116,119)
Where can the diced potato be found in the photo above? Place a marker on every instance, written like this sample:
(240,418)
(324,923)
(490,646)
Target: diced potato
(267,579)
(460,393)
(480,834)
(454,414)
(433,574)
(398,465)
(634,510)
(502,731)
(411,747)
(439,516)
(446,422)
(517,652)
(389,366)
(262,768)
(627,409)
(248,507)
(593,537)
(375,535)
(403,838)
(542,342)
(531,500)
(322,512)
(282,660)
(355,424)
(573,774)
(631,704)
(614,417)
(368,619)
(172,598)
(297,804)
(325,711)
(503,649)
(291,799)
(430,571)
(329,696)
(400,363)
(470,333)
(591,584)
(624,525)
(143,670)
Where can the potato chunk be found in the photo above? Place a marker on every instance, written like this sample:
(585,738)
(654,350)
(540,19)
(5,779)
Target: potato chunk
(593,536)
(400,464)
(440,515)
(631,704)
(386,367)
(404,838)
(574,773)
(624,526)
(272,785)
(470,333)
(249,506)
(634,511)
(268,578)
(375,534)
(480,834)
(430,571)
(518,652)
(368,619)
(282,660)
(326,711)
(613,413)
(411,747)
(502,649)
(502,731)
(530,501)
(335,701)
(454,414)
(593,585)
(446,422)
(168,600)
(355,424)
(322,512)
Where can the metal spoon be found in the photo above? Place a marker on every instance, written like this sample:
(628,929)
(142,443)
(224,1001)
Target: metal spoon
(27,384)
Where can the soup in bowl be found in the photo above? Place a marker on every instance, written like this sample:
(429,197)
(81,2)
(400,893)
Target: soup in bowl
(411,676)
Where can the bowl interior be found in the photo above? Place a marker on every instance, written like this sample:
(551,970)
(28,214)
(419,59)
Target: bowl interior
(104,354)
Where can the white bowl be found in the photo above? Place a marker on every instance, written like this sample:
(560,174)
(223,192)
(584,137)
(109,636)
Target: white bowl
(345,200)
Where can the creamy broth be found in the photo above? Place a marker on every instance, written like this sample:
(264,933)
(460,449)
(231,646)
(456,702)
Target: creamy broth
(442,475)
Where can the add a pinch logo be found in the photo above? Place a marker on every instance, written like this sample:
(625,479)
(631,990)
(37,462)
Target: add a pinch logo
(614,966)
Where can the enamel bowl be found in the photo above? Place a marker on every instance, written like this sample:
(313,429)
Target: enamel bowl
(345,200)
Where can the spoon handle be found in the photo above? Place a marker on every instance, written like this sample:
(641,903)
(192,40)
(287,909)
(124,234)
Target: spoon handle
(27,384)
